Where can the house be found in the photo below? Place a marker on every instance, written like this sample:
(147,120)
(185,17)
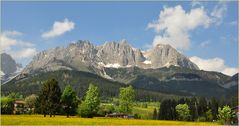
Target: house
(19,107)
(120,115)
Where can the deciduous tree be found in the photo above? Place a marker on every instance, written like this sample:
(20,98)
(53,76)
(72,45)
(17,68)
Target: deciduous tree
(126,99)
(225,114)
(183,111)
(69,100)
(90,105)
(49,97)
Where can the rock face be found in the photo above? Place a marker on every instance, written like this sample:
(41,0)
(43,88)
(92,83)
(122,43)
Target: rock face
(85,56)
(232,82)
(119,54)
(165,56)
(8,64)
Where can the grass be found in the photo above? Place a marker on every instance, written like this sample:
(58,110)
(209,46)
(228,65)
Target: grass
(144,113)
(62,120)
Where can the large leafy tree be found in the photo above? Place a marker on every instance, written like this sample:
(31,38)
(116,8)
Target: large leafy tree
(126,99)
(30,102)
(225,114)
(49,97)
(183,111)
(7,105)
(69,100)
(90,105)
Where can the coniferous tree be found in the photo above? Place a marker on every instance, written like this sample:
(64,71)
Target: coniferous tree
(202,106)
(161,114)
(193,108)
(214,107)
(49,98)
(158,115)
(174,113)
(155,114)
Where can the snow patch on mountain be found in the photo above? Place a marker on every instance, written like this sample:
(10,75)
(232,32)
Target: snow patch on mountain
(2,73)
(147,62)
(115,65)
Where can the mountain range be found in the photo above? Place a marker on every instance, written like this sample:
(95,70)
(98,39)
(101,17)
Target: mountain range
(160,71)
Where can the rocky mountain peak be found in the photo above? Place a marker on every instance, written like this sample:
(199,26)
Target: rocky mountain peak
(84,55)
(164,55)
(124,42)
(8,64)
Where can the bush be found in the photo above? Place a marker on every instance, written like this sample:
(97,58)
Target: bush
(201,119)
(105,109)
(7,105)
(225,114)
(209,116)
(84,111)
(144,105)
(183,112)
(137,116)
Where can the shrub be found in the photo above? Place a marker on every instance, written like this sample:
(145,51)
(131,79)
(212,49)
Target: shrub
(201,119)
(183,111)
(7,105)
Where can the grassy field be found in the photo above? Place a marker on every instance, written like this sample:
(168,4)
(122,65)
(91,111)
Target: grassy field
(145,112)
(62,120)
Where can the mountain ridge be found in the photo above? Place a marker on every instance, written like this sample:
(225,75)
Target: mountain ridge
(85,56)
(160,70)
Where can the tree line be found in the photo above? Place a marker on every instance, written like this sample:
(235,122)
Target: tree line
(194,109)
(51,101)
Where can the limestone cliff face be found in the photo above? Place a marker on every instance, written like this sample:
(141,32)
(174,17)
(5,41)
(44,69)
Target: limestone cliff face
(165,56)
(85,56)
(8,64)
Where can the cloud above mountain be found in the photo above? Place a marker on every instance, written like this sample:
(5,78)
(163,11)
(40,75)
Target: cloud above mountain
(174,24)
(59,28)
(213,64)
(11,43)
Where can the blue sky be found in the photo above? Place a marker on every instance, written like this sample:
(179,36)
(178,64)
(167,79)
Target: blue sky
(207,33)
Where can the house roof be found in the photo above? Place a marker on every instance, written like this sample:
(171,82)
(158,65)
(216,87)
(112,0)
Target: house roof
(19,102)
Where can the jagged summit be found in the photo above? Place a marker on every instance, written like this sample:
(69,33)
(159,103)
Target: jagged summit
(85,56)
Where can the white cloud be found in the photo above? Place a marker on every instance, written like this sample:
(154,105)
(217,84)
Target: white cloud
(12,33)
(24,53)
(59,28)
(22,49)
(174,25)
(214,64)
(6,42)
(219,12)
(8,39)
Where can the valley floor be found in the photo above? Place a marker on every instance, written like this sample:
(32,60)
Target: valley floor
(62,120)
